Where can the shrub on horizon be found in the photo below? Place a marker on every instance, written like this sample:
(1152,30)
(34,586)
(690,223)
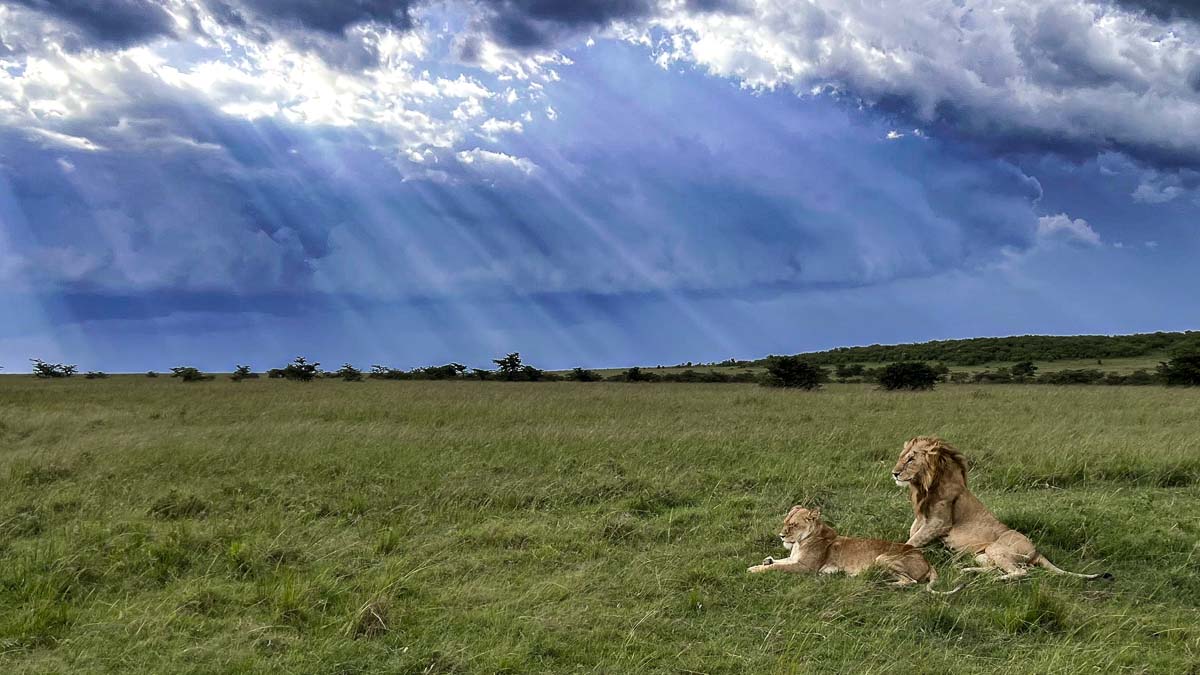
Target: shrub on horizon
(299,369)
(1072,376)
(1181,371)
(583,375)
(910,375)
(349,373)
(794,372)
(243,373)
(1023,371)
(189,374)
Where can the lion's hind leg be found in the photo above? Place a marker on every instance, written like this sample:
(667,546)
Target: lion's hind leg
(900,567)
(982,564)
(1041,561)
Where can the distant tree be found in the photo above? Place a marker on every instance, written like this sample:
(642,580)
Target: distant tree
(847,371)
(794,372)
(1023,371)
(636,374)
(189,374)
(582,375)
(151,373)
(481,373)
(243,373)
(509,367)
(95,375)
(1140,378)
(450,371)
(532,374)
(1181,371)
(1072,376)
(912,375)
(349,373)
(46,370)
(385,373)
(301,370)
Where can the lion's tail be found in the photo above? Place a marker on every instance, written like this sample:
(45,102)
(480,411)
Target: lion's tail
(933,577)
(1042,561)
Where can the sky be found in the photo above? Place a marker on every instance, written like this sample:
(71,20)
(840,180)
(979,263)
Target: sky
(587,182)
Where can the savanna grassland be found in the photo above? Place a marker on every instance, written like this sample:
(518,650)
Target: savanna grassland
(156,526)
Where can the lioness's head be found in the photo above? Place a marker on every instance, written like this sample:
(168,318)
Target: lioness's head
(799,524)
(922,459)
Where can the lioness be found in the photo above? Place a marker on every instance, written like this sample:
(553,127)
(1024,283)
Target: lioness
(936,476)
(817,547)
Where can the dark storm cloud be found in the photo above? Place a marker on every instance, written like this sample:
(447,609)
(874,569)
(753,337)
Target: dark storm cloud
(320,16)
(1165,9)
(109,23)
(516,23)
(535,23)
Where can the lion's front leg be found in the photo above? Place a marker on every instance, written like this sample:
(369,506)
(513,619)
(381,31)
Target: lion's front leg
(931,531)
(779,566)
(916,525)
(933,526)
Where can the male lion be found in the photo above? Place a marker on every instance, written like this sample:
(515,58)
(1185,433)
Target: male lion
(936,476)
(816,547)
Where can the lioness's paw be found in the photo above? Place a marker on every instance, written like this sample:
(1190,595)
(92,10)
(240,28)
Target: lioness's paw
(756,569)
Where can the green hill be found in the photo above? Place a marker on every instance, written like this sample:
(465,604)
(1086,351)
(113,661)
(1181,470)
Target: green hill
(976,351)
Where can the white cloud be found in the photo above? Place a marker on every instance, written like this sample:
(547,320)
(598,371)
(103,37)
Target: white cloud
(486,159)
(1061,226)
(894,135)
(1078,73)
(493,127)
(392,98)
(53,138)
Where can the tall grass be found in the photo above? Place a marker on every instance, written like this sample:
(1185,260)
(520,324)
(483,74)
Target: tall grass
(150,525)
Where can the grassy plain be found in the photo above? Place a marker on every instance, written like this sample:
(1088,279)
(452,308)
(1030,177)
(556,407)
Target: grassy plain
(156,526)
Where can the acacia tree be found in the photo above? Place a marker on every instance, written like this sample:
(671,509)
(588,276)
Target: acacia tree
(45,370)
(509,367)
(301,370)
(349,373)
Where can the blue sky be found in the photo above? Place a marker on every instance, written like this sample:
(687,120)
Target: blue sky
(593,183)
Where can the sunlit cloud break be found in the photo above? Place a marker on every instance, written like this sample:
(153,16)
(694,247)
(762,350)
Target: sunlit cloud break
(600,182)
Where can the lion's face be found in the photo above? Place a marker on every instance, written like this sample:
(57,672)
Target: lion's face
(914,461)
(799,524)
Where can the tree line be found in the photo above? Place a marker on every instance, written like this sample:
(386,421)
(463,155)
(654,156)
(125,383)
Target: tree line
(795,372)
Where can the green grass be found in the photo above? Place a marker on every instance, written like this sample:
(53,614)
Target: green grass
(157,526)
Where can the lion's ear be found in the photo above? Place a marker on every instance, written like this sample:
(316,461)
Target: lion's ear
(815,514)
